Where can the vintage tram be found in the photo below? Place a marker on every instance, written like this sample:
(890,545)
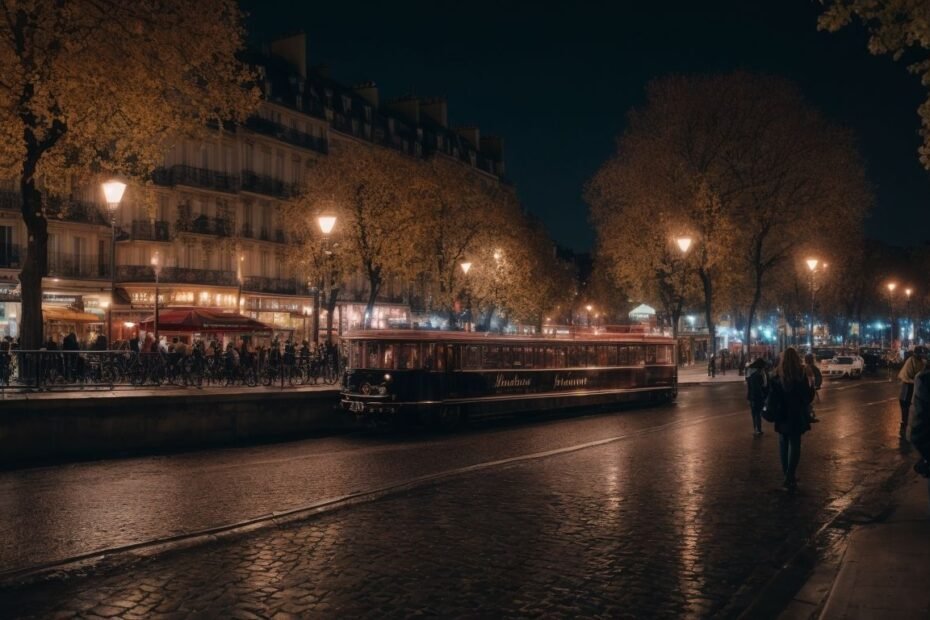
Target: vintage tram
(447,377)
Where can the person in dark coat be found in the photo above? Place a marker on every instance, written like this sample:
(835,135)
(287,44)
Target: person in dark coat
(919,430)
(790,399)
(757,388)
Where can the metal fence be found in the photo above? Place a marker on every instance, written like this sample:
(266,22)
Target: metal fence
(71,370)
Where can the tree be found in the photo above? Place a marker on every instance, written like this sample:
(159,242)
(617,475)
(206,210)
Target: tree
(103,86)
(459,214)
(897,27)
(368,188)
(750,168)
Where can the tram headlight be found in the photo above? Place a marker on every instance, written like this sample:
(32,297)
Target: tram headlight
(387,376)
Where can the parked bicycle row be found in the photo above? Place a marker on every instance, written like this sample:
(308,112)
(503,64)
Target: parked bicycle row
(195,366)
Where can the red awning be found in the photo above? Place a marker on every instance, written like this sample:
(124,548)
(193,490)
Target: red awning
(203,320)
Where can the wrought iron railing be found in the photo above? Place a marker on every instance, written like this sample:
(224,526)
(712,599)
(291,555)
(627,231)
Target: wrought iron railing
(283,286)
(147,230)
(181,275)
(269,186)
(287,134)
(195,177)
(70,265)
(10,256)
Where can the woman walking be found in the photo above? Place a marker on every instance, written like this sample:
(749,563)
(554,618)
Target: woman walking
(789,401)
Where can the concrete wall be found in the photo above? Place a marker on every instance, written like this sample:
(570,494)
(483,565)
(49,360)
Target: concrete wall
(98,426)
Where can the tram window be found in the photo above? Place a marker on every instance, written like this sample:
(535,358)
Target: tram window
(561,357)
(472,357)
(602,355)
(506,357)
(590,357)
(664,354)
(574,356)
(623,355)
(408,356)
(520,355)
(650,354)
(492,357)
(355,355)
(434,357)
(387,356)
(540,361)
(611,351)
(373,352)
(637,355)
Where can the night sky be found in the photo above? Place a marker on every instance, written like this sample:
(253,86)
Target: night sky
(557,84)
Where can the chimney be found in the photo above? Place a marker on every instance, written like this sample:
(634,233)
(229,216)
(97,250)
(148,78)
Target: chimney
(436,110)
(493,147)
(293,49)
(472,135)
(408,108)
(369,92)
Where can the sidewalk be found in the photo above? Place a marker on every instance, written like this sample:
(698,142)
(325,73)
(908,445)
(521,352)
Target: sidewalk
(697,374)
(885,572)
(124,391)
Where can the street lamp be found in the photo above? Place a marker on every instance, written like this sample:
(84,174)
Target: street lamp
(684,244)
(326,222)
(910,322)
(105,304)
(239,280)
(156,267)
(113,193)
(587,316)
(466,266)
(812,267)
(891,288)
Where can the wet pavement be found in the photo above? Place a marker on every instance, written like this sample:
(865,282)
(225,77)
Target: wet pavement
(667,512)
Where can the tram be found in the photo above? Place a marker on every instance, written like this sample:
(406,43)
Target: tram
(448,377)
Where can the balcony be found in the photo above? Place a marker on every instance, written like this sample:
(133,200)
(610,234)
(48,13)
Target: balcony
(147,230)
(281,286)
(286,134)
(247,232)
(268,186)
(10,256)
(68,265)
(179,275)
(67,210)
(203,225)
(195,177)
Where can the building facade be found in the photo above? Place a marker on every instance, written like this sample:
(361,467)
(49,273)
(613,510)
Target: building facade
(211,217)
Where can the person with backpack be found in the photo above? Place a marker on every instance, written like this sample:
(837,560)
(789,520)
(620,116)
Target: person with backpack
(757,388)
(788,405)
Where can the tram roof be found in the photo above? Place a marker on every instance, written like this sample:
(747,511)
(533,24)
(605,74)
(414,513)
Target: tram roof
(426,335)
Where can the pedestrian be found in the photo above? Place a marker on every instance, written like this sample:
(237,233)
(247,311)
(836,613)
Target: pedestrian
(790,396)
(757,388)
(815,378)
(711,366)
(915,364)
(920,423)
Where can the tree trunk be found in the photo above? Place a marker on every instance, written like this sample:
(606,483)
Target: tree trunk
(756,298)
(709,310)
(331,311)
(374,287)
(35,265)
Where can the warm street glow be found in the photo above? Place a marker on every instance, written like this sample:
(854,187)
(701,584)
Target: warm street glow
(812,263)
(498,254)
(465,267)
(908,291)
(327,223)
(588,307)
(684,243)
(892,286)
(129,324)
(156,260)
(113,191)
(105,304)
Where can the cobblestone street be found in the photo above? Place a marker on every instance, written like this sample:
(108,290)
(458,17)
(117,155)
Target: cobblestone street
(661,512)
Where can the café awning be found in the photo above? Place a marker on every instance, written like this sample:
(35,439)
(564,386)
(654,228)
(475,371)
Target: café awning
(203,320)
(67,315)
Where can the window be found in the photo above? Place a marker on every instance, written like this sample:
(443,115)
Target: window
(602,355)
(408,356)
(492,357)
(664,354)
(623,356)
(249,157)
(575,354)
(590,357)
(472,357)
(559,357)
(650,354)
(637,355)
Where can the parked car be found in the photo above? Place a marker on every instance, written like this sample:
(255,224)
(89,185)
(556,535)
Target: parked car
(843,366)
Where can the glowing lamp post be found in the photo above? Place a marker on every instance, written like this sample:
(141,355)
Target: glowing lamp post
(113,191)
(326,222)
(891,286)
(466,267)
(587,316)
(812,267)
(156,267)
(684,244)
(105,304)
(910,323)
(239,280)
